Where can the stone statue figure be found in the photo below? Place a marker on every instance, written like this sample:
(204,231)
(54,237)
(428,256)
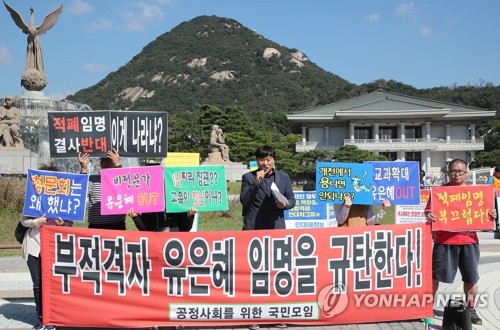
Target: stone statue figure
(10,117)
(218,144)
(33,77)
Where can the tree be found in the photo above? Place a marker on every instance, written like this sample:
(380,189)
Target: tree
(352,154)
(483,159)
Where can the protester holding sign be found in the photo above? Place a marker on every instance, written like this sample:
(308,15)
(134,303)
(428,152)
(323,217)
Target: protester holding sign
(31,251)
(263,193)
(95,218)
(454,250)
(350,215)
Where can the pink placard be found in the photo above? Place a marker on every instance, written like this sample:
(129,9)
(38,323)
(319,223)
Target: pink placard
(139,187)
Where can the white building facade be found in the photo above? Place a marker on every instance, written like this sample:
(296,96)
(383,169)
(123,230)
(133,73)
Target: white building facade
(396,126)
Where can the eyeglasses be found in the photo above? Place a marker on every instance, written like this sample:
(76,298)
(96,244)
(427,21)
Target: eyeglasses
(459,173)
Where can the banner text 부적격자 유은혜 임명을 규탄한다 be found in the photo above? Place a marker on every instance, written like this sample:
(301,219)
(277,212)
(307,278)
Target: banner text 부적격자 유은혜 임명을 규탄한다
(238,277)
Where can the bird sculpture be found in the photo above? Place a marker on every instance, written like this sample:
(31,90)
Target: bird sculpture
(33,77)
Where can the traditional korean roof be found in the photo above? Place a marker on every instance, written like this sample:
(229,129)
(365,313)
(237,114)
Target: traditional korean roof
(386,105)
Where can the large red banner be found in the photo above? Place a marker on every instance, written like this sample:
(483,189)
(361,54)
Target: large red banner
(106,278)
(463,207)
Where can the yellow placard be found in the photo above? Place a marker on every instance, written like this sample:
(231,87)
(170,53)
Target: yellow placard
(182,159)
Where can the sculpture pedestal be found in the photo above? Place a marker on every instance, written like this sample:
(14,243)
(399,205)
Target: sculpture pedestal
(232,171)
(16,161)
(36,95)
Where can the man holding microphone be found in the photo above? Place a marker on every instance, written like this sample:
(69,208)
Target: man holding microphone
(261,208)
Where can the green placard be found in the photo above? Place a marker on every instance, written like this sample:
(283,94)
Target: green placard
(203,187)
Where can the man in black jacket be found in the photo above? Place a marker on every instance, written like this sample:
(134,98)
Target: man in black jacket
(261,207)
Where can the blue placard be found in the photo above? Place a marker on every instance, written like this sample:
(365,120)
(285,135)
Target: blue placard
(336,180)
(397,181)
(306,207)
(56,194)
(308,213)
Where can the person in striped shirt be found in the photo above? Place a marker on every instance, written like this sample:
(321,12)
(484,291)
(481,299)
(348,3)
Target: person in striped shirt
(94,216)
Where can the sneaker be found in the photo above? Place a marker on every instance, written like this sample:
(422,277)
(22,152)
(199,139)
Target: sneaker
(281,326)
(254,327)
(39,326)
(474,319)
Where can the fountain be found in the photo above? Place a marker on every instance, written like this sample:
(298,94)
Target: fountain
(35,135)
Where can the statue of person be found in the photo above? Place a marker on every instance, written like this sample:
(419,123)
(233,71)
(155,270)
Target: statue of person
(10,118)
(217,142)
(222,145)
(33,77)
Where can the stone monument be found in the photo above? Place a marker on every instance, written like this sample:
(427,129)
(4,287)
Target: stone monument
(219,155)
(14,158)
(33,77)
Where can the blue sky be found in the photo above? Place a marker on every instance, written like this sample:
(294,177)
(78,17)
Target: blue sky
(420,43)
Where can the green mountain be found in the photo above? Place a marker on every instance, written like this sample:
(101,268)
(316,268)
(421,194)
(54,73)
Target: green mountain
(213,70)
(217,61)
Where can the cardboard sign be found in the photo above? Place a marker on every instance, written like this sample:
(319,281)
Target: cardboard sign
(336,180)
(79,131)
(413,213)
(462,207)
(139,187)
(399,182)
(308,213)
(253,165)
(139,133)
(182,159)
(203,187)
(56,194)
(131,133)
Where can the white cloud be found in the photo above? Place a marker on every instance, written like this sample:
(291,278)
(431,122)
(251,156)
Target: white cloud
(148,14)
(79,7)
(405,8)
(426,31)
(165,2)
(5,57)
(96,67)
(373,17)
(100,24)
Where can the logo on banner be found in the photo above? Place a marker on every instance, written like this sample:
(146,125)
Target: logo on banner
(333,300)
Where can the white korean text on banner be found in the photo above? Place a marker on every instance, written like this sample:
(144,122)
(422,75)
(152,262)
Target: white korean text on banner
(131,133)
(336,180)
(236,278)
(398,181)
(56,194)
(202,187)
(308,213)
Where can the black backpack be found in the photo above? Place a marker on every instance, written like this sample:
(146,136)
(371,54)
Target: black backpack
(20,232)
(456,315)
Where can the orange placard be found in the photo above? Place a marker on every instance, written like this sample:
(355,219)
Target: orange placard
(462,207)
(302,276)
